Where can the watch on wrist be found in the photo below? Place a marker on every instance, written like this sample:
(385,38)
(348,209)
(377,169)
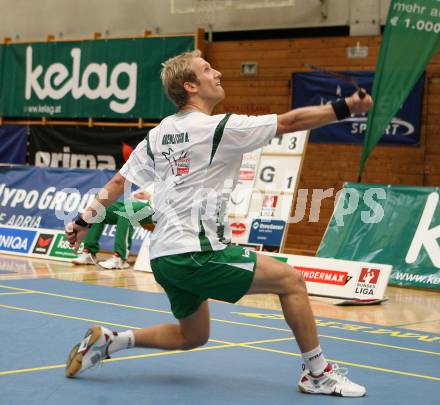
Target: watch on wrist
(81,222)
(341,109)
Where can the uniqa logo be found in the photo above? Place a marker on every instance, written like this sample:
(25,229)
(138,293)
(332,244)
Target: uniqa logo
(14,242)
(57,83)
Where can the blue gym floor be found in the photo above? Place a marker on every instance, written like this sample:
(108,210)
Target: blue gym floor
(251,357)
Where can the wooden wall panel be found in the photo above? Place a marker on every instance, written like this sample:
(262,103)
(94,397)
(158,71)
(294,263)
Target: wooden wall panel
(326,166)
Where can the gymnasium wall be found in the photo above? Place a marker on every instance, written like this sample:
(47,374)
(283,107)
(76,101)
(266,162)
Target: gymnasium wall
(326,166)
(34,20)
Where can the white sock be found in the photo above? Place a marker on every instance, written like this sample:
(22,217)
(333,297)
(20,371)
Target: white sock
(315,361)
(120,341)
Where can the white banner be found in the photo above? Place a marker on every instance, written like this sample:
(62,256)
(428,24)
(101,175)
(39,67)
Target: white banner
(241,196)
(278,172)
(340,278)
(291,143)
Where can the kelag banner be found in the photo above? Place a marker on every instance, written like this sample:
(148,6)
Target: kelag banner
(116,78)
(410,40)
(313,88)
(30,197)
(82,147)
(395,225)
(13,140)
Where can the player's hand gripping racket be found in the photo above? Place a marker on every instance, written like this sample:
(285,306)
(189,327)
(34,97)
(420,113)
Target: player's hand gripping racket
(361,92)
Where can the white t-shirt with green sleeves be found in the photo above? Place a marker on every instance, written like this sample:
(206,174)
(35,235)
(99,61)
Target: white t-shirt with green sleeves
(194,161)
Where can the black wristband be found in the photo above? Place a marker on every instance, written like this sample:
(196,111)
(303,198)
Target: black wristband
(79,221)
(341,109)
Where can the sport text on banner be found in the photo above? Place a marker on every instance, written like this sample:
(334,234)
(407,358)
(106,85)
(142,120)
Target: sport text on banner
(314,88)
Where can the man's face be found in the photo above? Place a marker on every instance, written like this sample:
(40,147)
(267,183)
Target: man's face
(209,87)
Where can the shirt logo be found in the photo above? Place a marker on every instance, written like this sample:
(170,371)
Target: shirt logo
(179,165)
(182,166)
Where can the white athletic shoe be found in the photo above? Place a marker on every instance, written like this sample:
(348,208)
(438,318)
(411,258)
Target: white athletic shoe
(332,381)
(115,262)
(85,258)
(90,352)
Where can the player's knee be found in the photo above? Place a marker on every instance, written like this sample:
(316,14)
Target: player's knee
(194,342)
(293,281)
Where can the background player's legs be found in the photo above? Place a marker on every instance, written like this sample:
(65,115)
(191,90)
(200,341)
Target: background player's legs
(123,236)
(191,332)
(91,240)
(91,245)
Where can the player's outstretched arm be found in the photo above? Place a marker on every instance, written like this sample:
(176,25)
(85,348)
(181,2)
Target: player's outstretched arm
(304,118)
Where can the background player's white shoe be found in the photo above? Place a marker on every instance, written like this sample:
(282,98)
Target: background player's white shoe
(332,381)
(115,262)
(85,258)
(90,352)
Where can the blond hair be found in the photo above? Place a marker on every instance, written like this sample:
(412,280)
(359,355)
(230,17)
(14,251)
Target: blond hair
(175,72)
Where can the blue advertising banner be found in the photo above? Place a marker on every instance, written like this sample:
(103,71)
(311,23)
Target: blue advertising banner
(267,232)
(314,88)
(16,240)
(13,140)
(33,197)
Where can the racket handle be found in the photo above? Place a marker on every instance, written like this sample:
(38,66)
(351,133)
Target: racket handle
(362,93)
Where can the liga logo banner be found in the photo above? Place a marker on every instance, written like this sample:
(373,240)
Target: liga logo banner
(400,227)
(117,78)
(314,88)
(340,278)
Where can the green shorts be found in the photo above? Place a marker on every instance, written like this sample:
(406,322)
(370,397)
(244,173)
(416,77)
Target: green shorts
(190,278)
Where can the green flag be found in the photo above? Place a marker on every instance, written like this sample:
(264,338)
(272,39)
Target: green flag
(412,36)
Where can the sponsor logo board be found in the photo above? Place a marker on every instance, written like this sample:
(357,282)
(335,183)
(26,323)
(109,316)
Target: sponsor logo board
(62,249)
(369,276)
(326,276)
(367,282)
(267,232)
(238,228)
(269,205)
(16,240)
(43,243)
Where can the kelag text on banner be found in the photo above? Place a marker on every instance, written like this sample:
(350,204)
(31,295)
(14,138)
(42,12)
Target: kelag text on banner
(116,78)
(314,88)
